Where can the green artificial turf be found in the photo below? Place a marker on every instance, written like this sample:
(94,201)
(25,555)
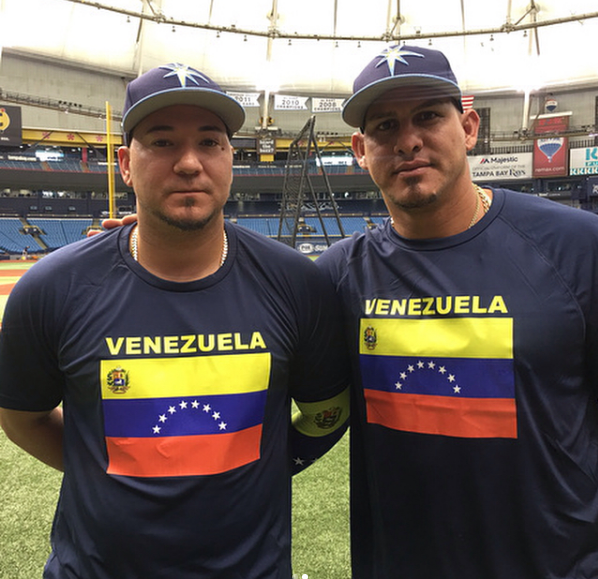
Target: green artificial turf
(29,491)
(321,517)
(28,495)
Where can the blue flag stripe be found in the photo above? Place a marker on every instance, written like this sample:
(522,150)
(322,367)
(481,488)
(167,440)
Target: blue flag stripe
(463,377)
(183,416)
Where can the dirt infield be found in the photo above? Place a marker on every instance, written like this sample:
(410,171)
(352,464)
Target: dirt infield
(11,272)
(6,288)
(8,279)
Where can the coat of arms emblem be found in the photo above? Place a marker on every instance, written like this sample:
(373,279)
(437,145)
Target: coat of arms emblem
(328,418)
(118,380)
(370,338)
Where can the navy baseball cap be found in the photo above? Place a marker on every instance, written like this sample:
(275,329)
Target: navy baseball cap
(400,66)
(178,84)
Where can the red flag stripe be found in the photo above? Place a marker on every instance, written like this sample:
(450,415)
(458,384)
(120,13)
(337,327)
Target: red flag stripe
(443,415)
(467,102)
(183,455)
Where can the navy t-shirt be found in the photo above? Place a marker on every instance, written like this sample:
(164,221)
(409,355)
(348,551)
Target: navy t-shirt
(474,431)
(176,401)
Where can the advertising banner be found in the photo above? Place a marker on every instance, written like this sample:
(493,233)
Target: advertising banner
(504,167)
(583,161)
(592,187)
(551,153)
(10,125)
(315,246)
(266,145)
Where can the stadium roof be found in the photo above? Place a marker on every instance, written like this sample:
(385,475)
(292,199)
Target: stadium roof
(312,46)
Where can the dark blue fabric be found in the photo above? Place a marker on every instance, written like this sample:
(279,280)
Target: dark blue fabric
(426,505)
(235,524)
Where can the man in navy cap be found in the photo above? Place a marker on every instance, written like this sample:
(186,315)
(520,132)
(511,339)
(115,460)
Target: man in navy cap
(472,316)
(165,355)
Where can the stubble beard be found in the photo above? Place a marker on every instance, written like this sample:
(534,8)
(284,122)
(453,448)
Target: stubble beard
(184,224)
(414,197)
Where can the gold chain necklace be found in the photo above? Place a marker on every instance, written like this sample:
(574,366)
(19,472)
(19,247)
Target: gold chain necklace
(481,196)
(135,244)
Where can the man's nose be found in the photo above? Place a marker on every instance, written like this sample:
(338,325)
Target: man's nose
(408,141)
(188,162)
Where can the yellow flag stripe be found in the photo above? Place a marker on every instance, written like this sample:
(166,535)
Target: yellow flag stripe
(196,376)
(440,337)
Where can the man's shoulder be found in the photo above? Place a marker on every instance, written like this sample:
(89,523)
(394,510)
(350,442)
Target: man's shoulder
(350,253)
(539,212)
(85,258)
(344,249)
(565,236)
(536,202)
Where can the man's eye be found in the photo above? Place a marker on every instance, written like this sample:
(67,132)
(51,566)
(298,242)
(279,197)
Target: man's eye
(209,143)
(161,143)
(385,125)
(428,116)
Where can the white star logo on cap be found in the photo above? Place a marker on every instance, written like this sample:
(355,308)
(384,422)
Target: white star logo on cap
(184,73)
(396,54)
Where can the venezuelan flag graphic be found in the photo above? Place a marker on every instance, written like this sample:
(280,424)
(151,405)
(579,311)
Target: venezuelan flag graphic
(183,416)
(450,377)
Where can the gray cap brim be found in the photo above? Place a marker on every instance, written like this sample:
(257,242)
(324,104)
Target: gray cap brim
(355,108)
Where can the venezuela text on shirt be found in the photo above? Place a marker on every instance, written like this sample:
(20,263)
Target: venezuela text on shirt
(188,344)
(431,306)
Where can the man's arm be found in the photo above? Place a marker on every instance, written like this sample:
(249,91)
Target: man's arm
(38,433)
(316,428)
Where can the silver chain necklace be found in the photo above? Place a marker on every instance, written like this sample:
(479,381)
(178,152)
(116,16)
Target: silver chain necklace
(135,244)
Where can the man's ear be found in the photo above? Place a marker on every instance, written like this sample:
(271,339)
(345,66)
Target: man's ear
(359,149)
(470,120)
(124,164)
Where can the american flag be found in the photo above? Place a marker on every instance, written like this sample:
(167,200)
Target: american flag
(467,102)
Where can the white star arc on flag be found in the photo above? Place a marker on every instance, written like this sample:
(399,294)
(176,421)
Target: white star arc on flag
(184,405)
(430,366)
